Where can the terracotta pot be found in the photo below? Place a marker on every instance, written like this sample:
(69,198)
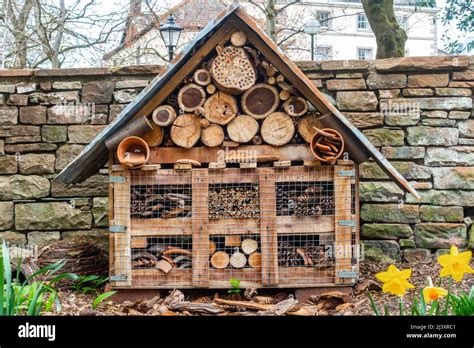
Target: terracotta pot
(133,152)
(320,144)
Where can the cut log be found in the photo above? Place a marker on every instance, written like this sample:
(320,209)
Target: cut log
(306,127)
(277,129)
(249,246)
(186,130)
(202,77)
(190,97)
(212,136)
(296,106)
(260,100)
(242,129)
(257,140)
(238,260)
(212,247)
(280,78)
(285,95)
(164,115)
(155,137)
(220,260)
(271,80)
(232,70)
(238,39)
(204,123)
(232,241)
(255,260)
(211,89)
(220,108)
(270,70)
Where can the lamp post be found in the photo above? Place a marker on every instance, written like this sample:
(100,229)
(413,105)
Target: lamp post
(170,32)
(312,28)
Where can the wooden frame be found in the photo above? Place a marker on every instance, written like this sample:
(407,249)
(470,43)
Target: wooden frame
(268,226)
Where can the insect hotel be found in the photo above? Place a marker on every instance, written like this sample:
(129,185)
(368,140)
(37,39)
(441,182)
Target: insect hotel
(231,164)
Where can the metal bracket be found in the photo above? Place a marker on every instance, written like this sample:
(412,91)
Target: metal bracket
(117,179)
(350,223)
(117,229)
(350,173)
(118,278)
(347,274)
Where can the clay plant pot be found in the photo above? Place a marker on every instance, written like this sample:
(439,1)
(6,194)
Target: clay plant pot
(327,145)
(133,152)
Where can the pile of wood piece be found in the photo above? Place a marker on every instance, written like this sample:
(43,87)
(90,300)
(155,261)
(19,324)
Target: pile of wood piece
(244,252)
(233,201)
(237,97)
(250,304)
(162,256)
(163,202)
(309,255)
(309,199)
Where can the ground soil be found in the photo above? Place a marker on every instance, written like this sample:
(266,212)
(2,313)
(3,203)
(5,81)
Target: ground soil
(76,303)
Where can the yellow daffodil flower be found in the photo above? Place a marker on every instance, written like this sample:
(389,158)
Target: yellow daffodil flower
(432,293)
(455,264)
(395,281)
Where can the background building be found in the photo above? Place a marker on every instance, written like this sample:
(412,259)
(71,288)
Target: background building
(345,31)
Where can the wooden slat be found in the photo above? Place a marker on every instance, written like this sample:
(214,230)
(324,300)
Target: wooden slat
(153,278)
(268,234)
(111,217)
(122,247)
(262,153)
(200,218)
(343,211)
(305,276)
(233,226)
(161,227)
(304,174)
(138,242)
(304,224)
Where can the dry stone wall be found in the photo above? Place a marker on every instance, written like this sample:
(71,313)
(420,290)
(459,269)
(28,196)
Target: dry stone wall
(417,111)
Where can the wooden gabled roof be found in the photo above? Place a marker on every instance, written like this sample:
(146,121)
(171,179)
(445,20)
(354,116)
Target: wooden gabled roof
(218,31)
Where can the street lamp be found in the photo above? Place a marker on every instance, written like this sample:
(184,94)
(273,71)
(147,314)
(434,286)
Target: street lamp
(312,27)
(170,32)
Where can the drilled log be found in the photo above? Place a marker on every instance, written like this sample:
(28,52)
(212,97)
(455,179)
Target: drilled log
(202,77)
(212,136)
(255,260)
(220,108)
(232,70)
(277,129)
(186,130)
(190,97)
(260,100)
(242,129)
(296,106)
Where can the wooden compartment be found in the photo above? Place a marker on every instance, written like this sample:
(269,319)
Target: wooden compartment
(226,206)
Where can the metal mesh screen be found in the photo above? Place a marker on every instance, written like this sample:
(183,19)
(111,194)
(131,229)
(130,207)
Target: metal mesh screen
(267,227)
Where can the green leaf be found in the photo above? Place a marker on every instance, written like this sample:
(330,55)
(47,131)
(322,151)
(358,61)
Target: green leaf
(373,305)
(102,297)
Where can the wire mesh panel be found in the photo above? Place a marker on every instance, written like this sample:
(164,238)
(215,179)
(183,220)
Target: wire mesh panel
(266,227)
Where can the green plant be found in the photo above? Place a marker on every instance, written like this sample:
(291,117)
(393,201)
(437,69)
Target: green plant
(99,299)
(30,297)
(235,283)
(89,284)
(462,304)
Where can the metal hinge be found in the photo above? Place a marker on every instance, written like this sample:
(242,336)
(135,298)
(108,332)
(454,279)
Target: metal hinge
(347,274)
(350,223)
(118,278)
(117,179)
(346,173)
(118,229)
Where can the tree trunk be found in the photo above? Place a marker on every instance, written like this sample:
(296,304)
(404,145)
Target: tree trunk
(271,19)
(390,37)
